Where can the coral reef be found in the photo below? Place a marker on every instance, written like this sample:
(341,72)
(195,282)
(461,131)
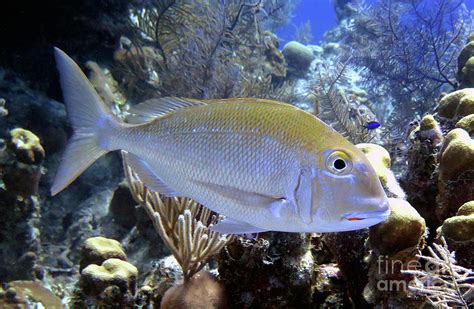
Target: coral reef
(106,276)
(182,223)
(98,249)
(465,74)
(95,279)
(329,287)
(467,123)
(298,56)
(276,261)
(342,8)
(395,244)
(381,162)
(22,176)
(456,104)
(420,180)
(28,294)
(443,283)
(338,107)
(456,168)
(390,42)
(20,171)
(218,49)
(221,45)
(429,130)
(459,234)
(201,291)
(405,226)
(105,84)
(275,62)
(349,251)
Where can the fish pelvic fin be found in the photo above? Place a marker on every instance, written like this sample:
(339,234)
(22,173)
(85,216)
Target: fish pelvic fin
(91,120)
(230,226)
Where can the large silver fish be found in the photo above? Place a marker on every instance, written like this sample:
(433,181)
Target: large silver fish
(264,165)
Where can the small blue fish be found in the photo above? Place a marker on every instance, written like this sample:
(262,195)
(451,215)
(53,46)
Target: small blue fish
(371,125)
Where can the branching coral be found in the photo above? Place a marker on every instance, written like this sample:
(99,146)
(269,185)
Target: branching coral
(182,224)
(408,48)
(303,33)
(336,108)
(447,285)
(208,48)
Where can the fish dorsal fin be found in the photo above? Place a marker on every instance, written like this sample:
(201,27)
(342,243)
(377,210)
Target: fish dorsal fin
(229,226)
(154,108)
(146,175)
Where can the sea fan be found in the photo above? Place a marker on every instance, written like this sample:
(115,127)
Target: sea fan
(445,284)
(207,49)
(408,50)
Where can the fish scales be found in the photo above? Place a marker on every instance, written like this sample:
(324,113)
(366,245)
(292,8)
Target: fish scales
(254,146)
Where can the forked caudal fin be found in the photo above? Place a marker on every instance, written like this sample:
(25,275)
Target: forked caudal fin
(87,114)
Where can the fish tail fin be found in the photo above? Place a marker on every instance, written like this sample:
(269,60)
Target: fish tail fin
(91,119)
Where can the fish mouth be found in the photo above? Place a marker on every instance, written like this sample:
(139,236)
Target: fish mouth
(381,215)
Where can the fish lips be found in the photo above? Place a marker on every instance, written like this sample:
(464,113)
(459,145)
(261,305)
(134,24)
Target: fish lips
(376,215)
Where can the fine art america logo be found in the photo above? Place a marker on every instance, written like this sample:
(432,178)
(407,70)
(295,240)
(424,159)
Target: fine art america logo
(392,271)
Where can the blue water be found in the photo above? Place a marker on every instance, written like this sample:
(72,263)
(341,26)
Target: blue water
(322,17)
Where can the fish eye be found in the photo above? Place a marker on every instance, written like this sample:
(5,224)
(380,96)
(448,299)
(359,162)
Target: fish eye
(339,163)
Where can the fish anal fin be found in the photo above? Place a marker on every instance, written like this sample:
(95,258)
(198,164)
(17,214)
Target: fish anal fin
(146,175)
(229,226)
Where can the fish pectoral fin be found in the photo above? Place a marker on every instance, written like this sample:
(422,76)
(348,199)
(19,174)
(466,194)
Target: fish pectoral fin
(229,226)
(247,198)
(277,206)
(154,108)
(146,175)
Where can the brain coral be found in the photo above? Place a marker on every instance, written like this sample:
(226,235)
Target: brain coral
(461,226)
(403,229)
(459,103)
(456,155)
(467,123)
(459,234)
(98,249)
(456,173)
(95,279)
(380,160)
